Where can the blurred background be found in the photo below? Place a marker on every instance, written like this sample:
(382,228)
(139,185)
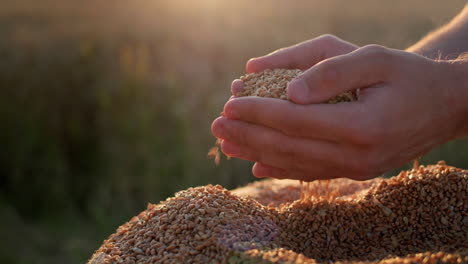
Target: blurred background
(106,105)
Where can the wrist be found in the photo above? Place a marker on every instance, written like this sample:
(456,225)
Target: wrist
(458,84)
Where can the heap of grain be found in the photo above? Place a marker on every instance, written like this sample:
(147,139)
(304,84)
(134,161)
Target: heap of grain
(421,210)
(420,215)
(277,193)
(198,225)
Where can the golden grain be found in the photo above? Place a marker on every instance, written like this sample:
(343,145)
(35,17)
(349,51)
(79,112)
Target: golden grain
(209,224)
(273,83)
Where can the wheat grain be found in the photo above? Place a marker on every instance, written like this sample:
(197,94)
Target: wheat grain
(425,222)
(274,83)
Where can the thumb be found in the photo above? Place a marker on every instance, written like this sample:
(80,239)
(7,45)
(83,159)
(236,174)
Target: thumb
(361,68)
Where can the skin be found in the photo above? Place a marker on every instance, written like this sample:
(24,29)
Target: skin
(446,42)
(409,103)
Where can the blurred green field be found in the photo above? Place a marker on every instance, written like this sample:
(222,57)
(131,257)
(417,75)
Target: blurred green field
(106,105)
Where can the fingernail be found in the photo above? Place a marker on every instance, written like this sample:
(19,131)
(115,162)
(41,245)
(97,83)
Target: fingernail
(230,148)
(237,86)
(298,89)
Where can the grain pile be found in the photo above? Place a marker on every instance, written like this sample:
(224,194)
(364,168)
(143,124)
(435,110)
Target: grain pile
(283,256)
(422,210)
(419,216)
(277,193)
(199,225)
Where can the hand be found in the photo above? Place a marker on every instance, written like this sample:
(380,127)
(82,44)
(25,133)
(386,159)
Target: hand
(301,56)
(407,105)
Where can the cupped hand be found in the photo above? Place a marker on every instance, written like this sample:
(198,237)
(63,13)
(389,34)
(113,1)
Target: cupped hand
(300,56)
(407,105)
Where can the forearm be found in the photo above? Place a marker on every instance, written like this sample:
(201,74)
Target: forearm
(460,81)
(447,42)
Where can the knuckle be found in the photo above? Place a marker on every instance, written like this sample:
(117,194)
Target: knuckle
(374,50)
(327,39)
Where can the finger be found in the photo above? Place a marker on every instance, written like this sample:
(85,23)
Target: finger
(261,170)
(237,86)
(302,55)
(362,68)
(319,121)
(268,146)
